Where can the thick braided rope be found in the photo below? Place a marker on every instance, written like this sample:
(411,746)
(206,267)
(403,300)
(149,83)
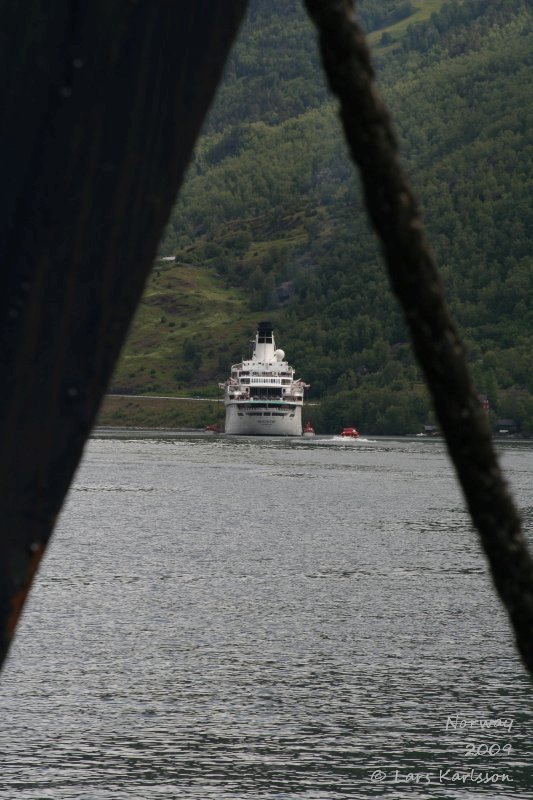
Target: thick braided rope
(416,282)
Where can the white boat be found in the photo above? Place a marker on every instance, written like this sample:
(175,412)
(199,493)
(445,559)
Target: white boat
(261,397)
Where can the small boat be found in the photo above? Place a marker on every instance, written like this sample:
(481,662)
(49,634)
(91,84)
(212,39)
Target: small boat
(212,428)
(308,430)
(350,433)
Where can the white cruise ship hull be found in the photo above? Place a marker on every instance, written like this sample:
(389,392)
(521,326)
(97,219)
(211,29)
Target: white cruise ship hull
(248,420)
(261,396)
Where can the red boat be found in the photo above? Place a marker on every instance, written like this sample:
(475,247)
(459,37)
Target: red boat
(212,428)
(350,433)
(308,429)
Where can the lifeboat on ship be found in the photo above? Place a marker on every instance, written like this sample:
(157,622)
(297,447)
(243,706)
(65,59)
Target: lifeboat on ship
(350,433)
(308,430)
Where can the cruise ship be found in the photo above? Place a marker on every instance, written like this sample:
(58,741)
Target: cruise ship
(261,397)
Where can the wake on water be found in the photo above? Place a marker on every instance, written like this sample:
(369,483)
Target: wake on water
(337,440)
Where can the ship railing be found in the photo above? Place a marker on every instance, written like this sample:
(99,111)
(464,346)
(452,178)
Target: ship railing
(263,397)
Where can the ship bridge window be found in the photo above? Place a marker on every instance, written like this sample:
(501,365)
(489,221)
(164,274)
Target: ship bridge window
(264,392)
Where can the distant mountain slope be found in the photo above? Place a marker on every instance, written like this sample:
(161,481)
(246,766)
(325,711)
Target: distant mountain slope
(177,334)
(272,207)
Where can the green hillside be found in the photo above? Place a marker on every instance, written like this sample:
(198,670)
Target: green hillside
(180,335)
(270,221)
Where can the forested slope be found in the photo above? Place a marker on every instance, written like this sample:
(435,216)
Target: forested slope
(271,219)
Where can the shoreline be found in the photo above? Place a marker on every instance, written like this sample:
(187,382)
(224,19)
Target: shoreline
(160,432)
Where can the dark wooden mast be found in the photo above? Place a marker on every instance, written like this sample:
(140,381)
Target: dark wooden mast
(102,102)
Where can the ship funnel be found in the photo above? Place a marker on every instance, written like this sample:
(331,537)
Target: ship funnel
(265,328)
(264,343)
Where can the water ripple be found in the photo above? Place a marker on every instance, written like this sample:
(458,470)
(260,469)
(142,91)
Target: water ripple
(246,627)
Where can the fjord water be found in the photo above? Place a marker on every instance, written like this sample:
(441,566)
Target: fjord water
(262,618)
